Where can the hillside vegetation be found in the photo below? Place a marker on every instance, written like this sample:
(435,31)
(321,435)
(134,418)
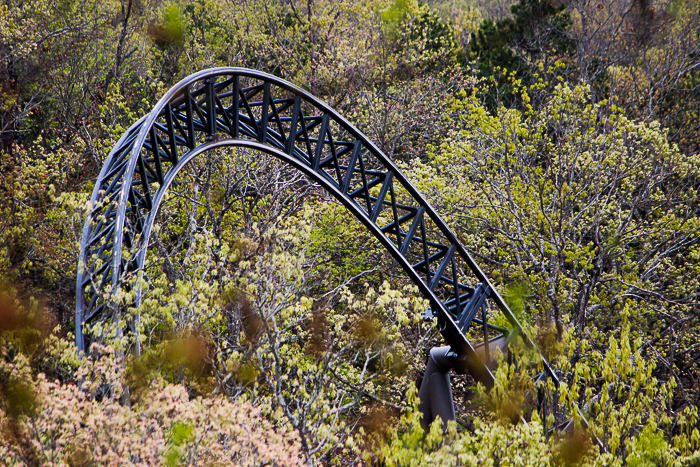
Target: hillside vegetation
(560,140)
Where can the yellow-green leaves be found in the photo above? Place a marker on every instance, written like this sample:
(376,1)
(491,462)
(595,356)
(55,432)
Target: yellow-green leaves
(171,31)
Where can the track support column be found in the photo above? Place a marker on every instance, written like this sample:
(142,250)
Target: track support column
(435,391)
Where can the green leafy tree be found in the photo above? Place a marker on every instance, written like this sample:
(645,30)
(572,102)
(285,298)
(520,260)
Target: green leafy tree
(533,39)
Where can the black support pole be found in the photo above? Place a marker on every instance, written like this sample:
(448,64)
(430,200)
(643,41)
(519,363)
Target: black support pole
(435,392)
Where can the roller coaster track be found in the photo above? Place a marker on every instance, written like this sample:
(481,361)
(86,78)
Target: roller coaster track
(235,107)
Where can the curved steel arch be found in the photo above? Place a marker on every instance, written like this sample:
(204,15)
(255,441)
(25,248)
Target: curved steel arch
(246,108)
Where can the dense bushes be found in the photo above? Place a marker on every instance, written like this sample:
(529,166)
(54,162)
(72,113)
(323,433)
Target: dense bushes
(86,423)
(560,143)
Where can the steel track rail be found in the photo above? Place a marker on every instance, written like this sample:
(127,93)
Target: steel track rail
(237,107)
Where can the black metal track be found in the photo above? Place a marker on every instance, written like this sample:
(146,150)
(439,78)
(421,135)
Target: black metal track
(246,108)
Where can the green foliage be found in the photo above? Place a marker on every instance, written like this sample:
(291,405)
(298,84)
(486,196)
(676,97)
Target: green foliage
(180,434)
(648,449)
(625,415)
(568,204)
(552,155)
(493,442)
(344,250)
(533,39)
(427,41)
(395,14)
(171,32)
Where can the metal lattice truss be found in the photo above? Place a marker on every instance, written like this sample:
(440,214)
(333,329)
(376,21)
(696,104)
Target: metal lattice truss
(245,108)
